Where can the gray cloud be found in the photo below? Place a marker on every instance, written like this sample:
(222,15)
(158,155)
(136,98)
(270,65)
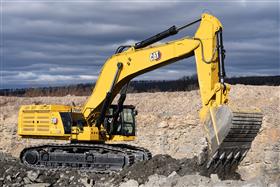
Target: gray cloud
(52,43)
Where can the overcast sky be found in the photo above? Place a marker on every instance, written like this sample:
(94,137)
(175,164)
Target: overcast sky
(46,43)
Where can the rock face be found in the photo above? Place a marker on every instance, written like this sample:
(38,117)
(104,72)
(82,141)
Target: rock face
(167,124)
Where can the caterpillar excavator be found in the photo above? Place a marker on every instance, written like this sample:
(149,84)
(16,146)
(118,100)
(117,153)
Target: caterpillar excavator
(88,130)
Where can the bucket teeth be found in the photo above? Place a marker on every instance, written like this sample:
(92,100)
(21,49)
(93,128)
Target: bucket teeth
(243,155)
(216,161)
(236,156)
(222,156)
(211,160)
(209,164)
(220,161)
(236,159)
(215,155)
(229,156)
(228,159)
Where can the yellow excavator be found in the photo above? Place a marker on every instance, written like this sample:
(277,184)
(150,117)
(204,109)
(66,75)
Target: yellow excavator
(90,129)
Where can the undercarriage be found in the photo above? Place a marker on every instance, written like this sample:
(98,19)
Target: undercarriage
(102,158)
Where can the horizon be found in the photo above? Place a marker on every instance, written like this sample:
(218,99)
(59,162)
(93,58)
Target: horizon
(160,80)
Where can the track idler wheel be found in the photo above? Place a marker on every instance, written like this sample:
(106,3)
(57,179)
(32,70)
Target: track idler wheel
(31,157)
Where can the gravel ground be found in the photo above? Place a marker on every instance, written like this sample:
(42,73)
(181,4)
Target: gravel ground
(168,125)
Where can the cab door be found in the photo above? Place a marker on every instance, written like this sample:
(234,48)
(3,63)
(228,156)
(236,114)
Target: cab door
(128,122)
(125,124)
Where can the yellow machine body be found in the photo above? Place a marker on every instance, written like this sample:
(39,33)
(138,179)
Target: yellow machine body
(46,121)
(229,132)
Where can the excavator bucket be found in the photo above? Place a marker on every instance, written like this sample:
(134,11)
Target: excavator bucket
(230,133)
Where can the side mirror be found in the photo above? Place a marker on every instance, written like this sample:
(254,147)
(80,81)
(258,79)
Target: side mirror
(135,112)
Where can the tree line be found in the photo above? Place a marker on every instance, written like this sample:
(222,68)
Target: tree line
(185,83)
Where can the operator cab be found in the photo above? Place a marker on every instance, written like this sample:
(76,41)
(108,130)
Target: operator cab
(125,123)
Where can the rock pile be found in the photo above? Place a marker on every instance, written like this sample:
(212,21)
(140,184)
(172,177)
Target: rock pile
(161,170)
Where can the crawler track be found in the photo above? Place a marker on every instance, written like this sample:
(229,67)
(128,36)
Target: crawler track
(101,158)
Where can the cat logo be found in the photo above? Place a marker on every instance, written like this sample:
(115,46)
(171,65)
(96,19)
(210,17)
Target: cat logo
(155,56)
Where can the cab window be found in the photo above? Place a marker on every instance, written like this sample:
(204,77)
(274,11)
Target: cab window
(128,122)
(127,115)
